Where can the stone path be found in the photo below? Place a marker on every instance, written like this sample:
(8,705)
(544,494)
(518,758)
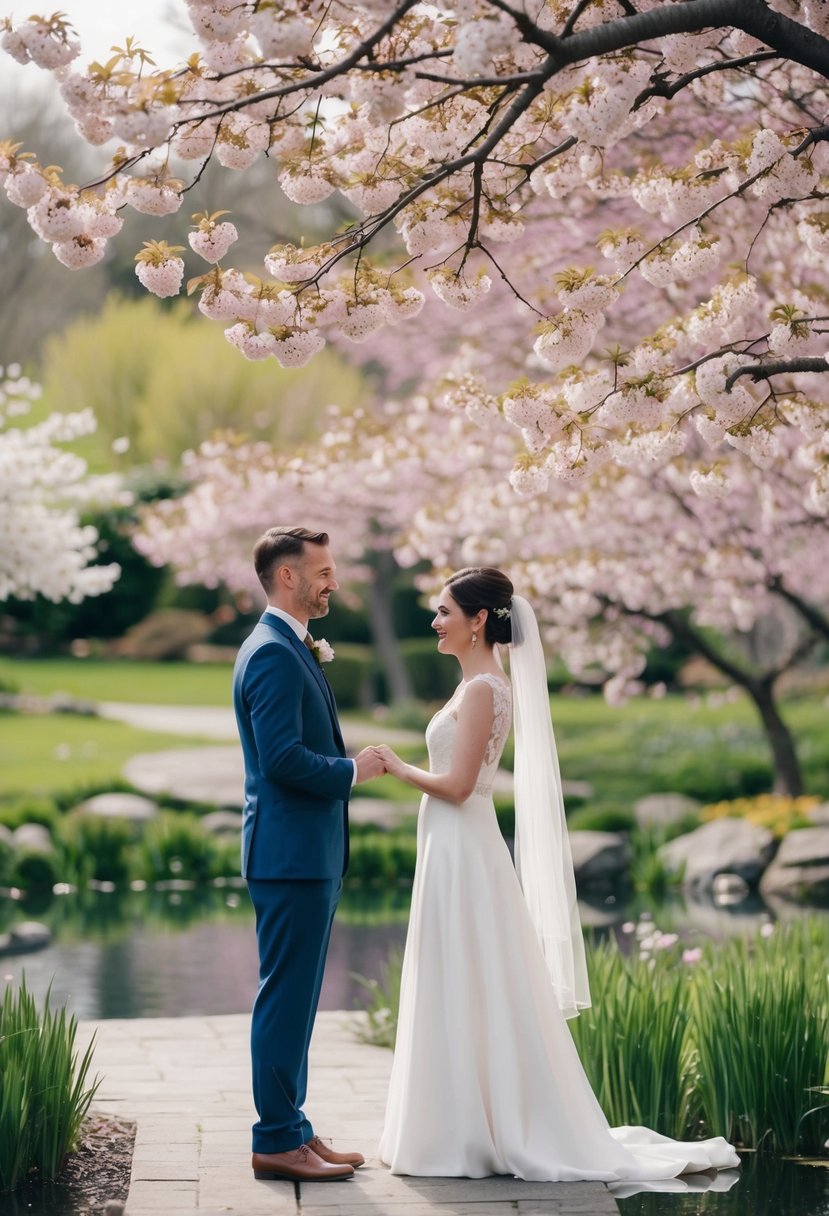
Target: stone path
(186,1082)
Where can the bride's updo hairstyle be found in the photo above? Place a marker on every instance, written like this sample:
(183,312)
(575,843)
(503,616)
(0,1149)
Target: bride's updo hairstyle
(479,587)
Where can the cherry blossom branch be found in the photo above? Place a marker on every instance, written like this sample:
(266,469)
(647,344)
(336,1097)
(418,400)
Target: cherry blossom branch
(662,89)
(778,367)
(812,615)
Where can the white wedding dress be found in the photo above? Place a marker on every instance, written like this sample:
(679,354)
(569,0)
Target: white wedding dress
(486,1078)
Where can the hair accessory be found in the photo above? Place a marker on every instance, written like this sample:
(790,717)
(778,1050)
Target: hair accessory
(503,613)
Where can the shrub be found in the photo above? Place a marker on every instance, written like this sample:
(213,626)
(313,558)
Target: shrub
(6,862)
(97,847)
(33,870)
(44,1094)
(175,845)
(602,818)
(30,810)
(352,675)
(648,872)
(381,859)
(433,676)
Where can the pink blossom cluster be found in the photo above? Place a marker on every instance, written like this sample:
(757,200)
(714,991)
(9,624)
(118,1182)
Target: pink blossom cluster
(475,146)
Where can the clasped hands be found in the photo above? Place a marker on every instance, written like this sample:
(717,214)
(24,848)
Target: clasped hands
(374,761)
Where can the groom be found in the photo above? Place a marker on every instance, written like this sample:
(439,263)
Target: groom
(294,840)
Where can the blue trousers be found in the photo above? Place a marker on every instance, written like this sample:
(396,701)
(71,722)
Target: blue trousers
(293,927)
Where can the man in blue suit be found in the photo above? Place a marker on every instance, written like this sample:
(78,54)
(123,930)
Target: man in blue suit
(294,840)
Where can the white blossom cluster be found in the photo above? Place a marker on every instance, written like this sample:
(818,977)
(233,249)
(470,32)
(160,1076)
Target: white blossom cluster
(44,548)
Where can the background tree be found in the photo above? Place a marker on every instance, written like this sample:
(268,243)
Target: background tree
(160,380)
(45,550)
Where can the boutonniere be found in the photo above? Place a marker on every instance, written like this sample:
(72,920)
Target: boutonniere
(323,651)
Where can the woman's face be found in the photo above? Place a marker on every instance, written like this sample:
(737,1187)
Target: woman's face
(452,625)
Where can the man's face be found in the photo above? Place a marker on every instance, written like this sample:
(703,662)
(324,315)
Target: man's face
(315,581)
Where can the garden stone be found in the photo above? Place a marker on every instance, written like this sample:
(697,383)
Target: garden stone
(6,836)
(221,823)
(730,846)
(599,856)
(663,810)
(577,789)
(33,836)
(800,871)
(132,807)
(819,814)
(29,935)
(729,888)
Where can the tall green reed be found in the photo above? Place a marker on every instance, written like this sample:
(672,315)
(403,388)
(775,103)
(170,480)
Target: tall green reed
(633,1041)
(761,1040)
(729,1039)
(44,1088)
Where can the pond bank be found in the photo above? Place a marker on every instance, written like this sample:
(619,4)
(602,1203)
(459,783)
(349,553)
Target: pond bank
(186,1082)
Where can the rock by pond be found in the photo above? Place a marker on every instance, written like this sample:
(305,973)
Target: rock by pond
(800,869)
(24,937)
(33,837)
(663,810)
(132,807)
(599,857)
(222,823)
(730,846)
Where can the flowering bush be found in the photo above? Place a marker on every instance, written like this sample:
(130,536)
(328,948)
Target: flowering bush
(773,811)
(44,548)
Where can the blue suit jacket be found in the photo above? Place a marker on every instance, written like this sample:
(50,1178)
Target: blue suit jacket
(297,779)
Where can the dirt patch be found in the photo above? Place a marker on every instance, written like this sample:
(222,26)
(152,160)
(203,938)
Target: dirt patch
(95,1176)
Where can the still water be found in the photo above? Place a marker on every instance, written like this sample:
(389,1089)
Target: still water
(177,953)
(156,953)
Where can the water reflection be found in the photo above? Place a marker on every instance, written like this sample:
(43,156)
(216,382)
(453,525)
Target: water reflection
(178,952)
(51,1200)
(766,1186)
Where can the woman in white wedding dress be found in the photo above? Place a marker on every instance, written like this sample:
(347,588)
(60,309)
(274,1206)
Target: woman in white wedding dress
(486,1078)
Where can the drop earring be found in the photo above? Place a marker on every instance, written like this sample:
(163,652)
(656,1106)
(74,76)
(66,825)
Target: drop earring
(474,638)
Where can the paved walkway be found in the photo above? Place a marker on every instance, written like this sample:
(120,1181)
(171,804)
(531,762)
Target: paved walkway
(186,1082)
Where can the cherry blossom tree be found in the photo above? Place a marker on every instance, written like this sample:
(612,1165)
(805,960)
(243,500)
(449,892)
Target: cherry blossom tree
(688,134)
(44,547)
(622,560)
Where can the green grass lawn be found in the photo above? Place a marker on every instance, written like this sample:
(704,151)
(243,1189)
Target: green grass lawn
(54,753)
(120,680)
(708,751)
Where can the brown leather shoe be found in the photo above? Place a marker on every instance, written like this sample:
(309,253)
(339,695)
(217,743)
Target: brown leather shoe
(300,1164)
(328,1154)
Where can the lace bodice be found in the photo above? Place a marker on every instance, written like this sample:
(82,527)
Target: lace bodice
(440,733)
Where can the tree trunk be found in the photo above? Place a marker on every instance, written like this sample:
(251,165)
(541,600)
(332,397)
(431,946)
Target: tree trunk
(788,777)
(381,622)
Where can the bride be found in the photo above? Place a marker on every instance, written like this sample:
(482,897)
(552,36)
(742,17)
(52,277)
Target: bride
(486,1078)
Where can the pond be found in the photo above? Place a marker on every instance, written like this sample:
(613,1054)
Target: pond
(177,953)
(171,953)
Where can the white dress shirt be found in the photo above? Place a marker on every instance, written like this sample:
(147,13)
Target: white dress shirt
(301,630)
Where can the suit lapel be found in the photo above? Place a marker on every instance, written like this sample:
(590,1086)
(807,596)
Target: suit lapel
(269,618)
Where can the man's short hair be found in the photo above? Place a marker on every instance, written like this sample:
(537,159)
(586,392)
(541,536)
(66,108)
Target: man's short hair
(278,545)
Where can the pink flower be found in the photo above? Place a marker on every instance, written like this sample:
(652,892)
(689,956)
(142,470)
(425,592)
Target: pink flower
(692,956)
(766,930)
